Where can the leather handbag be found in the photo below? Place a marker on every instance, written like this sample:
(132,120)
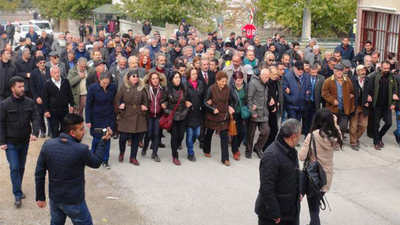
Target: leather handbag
(232,130)
(313,176)
(244,110)
(166,120)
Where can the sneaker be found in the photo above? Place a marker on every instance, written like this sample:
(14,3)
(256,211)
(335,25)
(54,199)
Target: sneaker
(176,161)
(23,196)
(106,166)
(144,151)
(134,161)
(42,135)
(155,158)
(354,147)
(17,203)
(248,155)
(191,158)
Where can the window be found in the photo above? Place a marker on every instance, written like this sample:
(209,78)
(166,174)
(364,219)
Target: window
(43,26)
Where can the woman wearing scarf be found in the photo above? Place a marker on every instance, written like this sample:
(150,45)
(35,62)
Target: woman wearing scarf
(195,89)
(251,60)
(218,101)
(239,92)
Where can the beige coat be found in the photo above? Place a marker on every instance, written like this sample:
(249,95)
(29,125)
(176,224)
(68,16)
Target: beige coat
(324,152)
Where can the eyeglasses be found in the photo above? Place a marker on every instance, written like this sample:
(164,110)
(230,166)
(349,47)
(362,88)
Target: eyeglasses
(41,63)
(300,69)
(56,56)
(134,76)
(271,60)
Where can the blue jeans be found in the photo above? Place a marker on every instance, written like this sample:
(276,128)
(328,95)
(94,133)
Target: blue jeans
(191,135)
(79,213)
(95,142)
(153,133)
(398,123)
(16,157)
(294,114)
(284,116)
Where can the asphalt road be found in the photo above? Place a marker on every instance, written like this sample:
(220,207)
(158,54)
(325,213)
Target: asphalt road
(365,189)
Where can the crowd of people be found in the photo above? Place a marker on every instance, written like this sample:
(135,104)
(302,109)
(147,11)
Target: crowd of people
(131,83)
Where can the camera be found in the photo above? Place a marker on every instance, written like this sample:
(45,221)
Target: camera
(102,131)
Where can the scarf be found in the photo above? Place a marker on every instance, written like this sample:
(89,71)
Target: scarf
(251,63)
(193,83)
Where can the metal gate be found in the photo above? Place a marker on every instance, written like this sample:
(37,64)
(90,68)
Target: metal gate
(383,30)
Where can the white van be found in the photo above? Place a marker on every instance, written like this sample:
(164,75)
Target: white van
(43,25)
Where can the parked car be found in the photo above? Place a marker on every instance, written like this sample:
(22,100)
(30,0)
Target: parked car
(22,30)
(43,25)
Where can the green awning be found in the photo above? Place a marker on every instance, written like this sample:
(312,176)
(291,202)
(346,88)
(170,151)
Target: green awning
(107,9)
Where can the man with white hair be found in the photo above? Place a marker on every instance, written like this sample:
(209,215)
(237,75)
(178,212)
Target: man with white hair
(363,103)
(311,43)
(369,66)
(313,56)
(118,69)
(77,78)
(133,63)
(60,89)
(188,53)
(60,44)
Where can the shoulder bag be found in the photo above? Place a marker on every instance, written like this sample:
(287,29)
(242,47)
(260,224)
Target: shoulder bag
(244,110)
(166,120)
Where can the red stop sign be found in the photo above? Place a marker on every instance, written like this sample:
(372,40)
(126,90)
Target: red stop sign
(250,30)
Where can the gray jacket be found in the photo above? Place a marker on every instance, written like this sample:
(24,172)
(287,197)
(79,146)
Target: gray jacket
(311,57)
(257,94)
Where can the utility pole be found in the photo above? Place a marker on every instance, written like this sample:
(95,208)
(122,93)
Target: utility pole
(306,31)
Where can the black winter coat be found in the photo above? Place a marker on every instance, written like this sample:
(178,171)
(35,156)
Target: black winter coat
(16,116)
(172,99)
(195,96)
(7,71)
(23,68)
(56,100)
(279,194)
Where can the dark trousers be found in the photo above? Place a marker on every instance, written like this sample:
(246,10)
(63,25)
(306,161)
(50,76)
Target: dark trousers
(295,114)
(124,137)
(273,126)
(16,157)
(241,132)
(56,123)
(263,127)
(262,221)
(343,120)
(42,123)
(153,133)
(223,134)
(313,206)
(177,134)
(11,39)
(308,118)
(79,213)
(386,114)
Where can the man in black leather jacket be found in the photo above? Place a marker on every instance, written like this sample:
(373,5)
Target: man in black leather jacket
(278,201)
(17,112)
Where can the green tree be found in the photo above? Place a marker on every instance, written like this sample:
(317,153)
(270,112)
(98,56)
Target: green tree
(75,9)
(196,12)
(329,18)
(9,5)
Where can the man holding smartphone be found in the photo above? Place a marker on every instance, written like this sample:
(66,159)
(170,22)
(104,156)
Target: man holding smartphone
(66,158)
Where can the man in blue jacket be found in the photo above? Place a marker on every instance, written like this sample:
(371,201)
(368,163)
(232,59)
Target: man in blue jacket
(66,158)
(346,49)
(297,89)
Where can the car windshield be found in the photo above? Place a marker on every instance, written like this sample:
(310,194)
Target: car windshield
(26,29)
(42,26)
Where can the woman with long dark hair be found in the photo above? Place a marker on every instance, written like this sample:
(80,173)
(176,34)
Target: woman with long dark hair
(328,137)
(195,89)
(132,102)
(218,103)
(177,94)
